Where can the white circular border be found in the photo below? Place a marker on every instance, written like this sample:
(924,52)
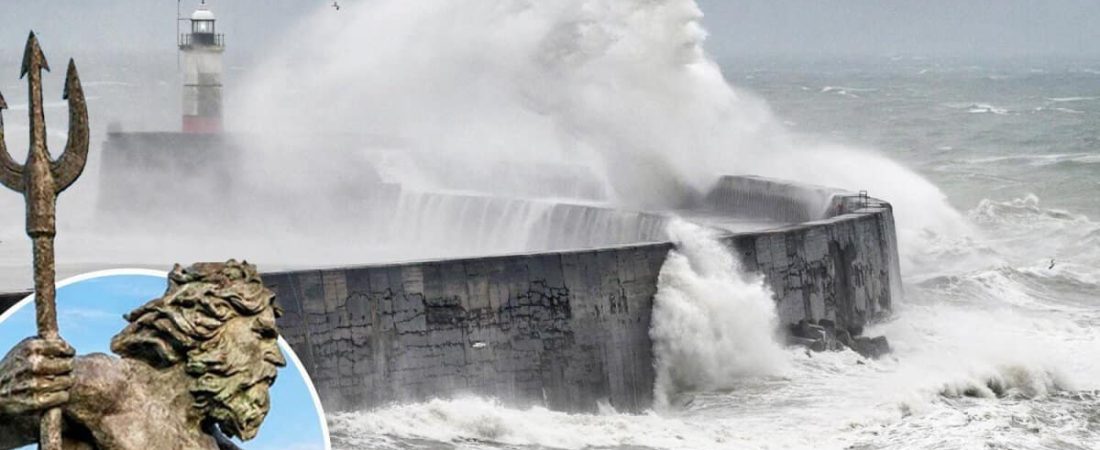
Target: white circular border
(162,274)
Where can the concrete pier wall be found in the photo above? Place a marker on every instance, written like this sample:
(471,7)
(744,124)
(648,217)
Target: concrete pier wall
(569,329)
(137,169)
(553,329)
(752,196)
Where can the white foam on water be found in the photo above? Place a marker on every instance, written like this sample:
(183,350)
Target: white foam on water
(1069,111)
(476,423)
(984,108)
(1071,99)
(1039,159)
(979,108)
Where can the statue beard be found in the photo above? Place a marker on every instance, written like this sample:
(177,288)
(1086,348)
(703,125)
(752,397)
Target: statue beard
(237,403)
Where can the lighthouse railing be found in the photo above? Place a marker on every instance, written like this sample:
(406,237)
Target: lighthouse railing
(189,40)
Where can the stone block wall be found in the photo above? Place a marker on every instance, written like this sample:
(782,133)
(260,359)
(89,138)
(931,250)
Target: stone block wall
(559,329)
(569,329)
(752,196)
(566,329)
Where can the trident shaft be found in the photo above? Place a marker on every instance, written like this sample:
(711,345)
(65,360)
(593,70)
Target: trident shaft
(40,179)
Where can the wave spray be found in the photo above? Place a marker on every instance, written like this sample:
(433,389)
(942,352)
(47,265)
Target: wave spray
(712,323)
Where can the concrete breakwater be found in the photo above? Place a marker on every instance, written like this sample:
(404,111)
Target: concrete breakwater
(569,329)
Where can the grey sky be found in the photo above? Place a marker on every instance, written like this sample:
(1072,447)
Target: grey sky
(969,28)
(976,28)
(126,25)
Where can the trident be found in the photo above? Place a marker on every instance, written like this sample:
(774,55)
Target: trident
(40,180)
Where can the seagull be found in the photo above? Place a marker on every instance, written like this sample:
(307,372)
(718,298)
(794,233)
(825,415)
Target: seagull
(335,5)
(1051,264)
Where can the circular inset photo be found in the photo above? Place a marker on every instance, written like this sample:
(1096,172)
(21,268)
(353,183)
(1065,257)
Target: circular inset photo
(191,357)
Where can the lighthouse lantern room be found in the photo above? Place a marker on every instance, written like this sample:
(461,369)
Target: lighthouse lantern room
(202,74)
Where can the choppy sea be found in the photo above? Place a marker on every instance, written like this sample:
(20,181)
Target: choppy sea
(997,341)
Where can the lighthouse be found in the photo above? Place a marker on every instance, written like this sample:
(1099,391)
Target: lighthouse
(202,74)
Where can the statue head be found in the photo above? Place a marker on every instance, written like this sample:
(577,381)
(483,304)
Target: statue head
(217,322)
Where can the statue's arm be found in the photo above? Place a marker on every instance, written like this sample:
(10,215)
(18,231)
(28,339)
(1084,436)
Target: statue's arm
(35,376)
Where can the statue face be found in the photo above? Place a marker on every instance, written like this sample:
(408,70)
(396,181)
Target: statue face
(251,345)
(217,321)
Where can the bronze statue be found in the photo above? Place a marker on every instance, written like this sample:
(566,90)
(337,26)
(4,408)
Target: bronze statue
(40,180)
(192,365)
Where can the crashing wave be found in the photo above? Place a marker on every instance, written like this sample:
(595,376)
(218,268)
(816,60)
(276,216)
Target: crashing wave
(1025,209)
(1008,381)
(712,323)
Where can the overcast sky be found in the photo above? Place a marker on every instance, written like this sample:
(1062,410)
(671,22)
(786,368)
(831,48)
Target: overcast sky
(976,28)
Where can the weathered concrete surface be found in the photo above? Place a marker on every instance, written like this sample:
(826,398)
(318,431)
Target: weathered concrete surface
(843,269)
(568,329)
(552,329)
(781,200)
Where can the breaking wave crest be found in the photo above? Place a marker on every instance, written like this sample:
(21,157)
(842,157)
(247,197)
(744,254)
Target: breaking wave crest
(1019,211)
(712,323)
(1011,381)
(1029,233)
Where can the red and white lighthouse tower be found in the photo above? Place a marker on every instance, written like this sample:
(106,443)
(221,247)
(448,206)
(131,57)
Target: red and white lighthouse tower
(202,74)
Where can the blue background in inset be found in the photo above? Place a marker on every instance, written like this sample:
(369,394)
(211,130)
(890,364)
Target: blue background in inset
(90,313)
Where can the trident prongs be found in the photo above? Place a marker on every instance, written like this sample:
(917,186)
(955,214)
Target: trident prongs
(71,163)
(9,170)
(40,179)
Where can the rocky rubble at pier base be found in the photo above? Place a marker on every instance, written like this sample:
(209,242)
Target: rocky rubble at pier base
(824,335)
